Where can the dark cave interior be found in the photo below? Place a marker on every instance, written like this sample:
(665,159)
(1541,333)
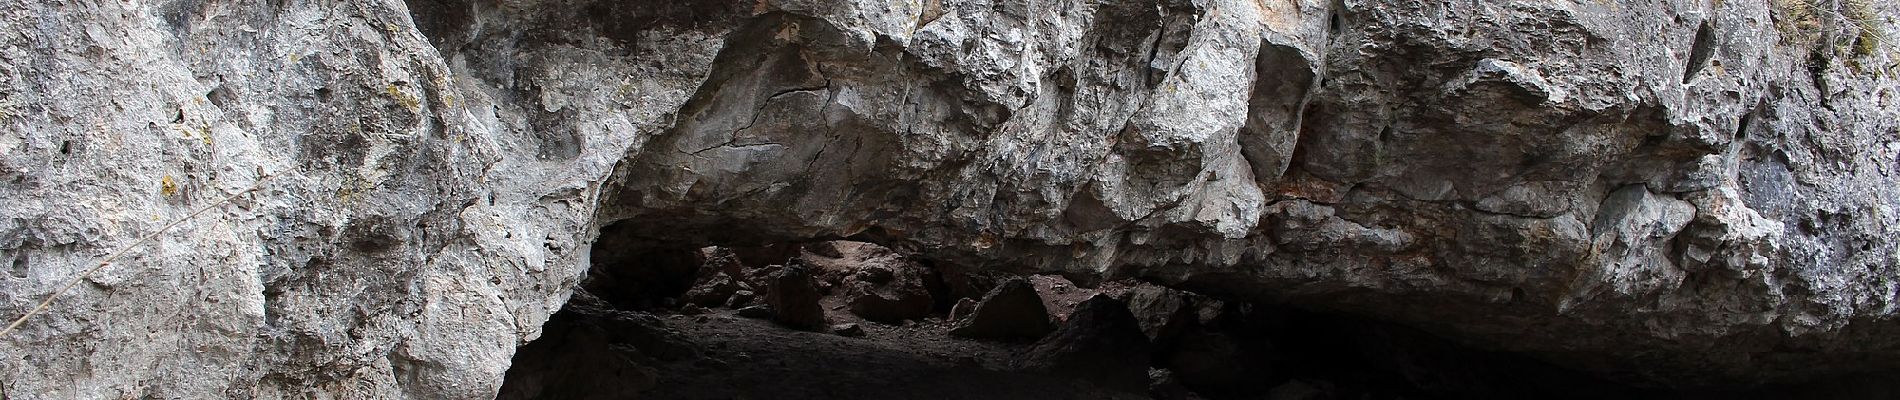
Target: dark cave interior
(658,320)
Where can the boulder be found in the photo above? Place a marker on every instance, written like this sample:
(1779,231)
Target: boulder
(712,289)
(1161,311)
(1101,343)
(848,330)
(794,299)
(878,284)
(755,311)
(1011,311)
(962,310)
(741,298)
(889,295)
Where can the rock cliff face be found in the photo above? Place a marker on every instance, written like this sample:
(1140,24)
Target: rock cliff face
(1674,193)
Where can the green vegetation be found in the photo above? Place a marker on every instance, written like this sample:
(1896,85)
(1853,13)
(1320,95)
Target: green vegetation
(1849,30)
(413,103)
(167,186)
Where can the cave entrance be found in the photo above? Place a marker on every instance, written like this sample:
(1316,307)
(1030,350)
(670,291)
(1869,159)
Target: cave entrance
(850,319)
(788,320)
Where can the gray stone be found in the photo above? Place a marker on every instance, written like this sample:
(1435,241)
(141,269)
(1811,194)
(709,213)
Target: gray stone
(713,289)
(794,299)
(741,299)
(1684,193)
(848,330)
(756,312)
(962,309)
(1011,311)
(1162,312)
(1100,343)
(879,284)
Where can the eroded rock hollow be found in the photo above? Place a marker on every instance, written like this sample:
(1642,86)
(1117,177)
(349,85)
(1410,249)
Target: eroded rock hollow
(399,194)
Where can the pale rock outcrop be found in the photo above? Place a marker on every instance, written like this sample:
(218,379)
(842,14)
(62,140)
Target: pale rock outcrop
(1670,192)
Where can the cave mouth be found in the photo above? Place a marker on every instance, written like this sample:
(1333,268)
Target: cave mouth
(841,319)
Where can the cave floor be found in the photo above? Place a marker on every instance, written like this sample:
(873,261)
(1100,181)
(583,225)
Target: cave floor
(742,358)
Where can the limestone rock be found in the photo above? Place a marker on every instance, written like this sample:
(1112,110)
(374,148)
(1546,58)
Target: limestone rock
(848,330)
(962,309)
(1683,193)
(712,290)
(1011,311)
(1162,312)
(879,285)
(1101,343)
(755,311)
(794,299)
(741,299)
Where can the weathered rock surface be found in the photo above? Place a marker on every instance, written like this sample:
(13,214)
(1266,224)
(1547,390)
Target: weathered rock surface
(794,299)
(1011,311)
(1101,343)
(962,309)
(712,290)
(758,311)
(1673,192)
(1162,312)
(848,330)
(877,283)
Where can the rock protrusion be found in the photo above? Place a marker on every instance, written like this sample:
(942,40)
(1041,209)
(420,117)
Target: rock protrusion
(1162,312)
(794,299)
(1011,311)
(962,309)
(848,330)
(713,289)
(1101,343)
(877,283)
(740,299)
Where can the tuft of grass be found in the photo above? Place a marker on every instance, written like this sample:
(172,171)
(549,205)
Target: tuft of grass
(1797,20)
(167,186)
(1847,30)
(1861,14)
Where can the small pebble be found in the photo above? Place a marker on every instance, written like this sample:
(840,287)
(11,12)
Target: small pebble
(848,330)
